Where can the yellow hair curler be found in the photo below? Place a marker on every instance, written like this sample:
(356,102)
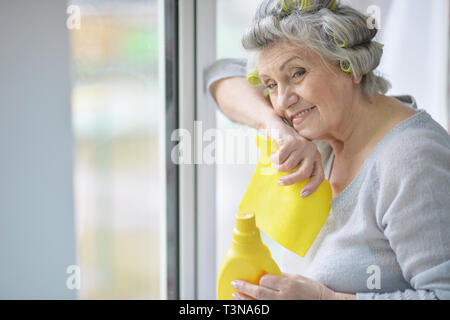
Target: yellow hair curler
(276,21)
(340,43)
(378,44)
(306,5)
(267,95)
(346,66)
(287,8)
(333,7)
(253,79)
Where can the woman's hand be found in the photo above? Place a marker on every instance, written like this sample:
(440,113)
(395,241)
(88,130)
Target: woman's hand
(293,151)
(287,287)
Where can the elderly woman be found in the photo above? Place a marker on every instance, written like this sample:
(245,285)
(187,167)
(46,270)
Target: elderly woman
(388,232)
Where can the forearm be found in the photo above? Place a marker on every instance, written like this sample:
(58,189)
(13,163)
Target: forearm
(402,295)
(243,103)
(344,296)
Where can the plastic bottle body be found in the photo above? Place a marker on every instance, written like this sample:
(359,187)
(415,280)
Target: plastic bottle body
(248,259)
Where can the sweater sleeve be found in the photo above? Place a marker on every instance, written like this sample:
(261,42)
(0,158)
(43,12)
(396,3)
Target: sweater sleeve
(225,68)
(413,210)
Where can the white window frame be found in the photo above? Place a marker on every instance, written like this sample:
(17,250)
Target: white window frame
(197,49)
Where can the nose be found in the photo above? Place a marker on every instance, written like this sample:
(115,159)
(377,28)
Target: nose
(287,98)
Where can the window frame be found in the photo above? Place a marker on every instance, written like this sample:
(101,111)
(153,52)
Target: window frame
(197,212)
(171,74)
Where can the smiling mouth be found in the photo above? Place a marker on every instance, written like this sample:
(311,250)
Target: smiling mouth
(300,114)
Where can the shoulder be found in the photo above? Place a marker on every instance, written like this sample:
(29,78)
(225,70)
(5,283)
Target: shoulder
(417,143)
(413,171)
(225,68)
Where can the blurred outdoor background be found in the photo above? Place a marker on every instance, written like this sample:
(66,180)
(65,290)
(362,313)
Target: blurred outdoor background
(116,120)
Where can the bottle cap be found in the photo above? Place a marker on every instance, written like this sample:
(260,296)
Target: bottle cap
(245,230)
(246,222)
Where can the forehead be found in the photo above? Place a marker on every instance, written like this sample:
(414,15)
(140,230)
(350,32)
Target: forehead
(275,56)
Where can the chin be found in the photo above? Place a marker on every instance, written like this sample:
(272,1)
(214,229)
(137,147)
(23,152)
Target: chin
(306,133)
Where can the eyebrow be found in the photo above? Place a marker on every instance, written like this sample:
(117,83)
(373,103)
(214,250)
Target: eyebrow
(284,64)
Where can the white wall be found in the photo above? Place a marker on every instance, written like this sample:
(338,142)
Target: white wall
(37,236)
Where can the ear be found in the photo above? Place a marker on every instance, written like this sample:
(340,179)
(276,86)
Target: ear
(357,80)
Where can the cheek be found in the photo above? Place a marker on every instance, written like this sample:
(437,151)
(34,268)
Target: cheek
(276,106)
(317,88)
(279,111)
(330,93)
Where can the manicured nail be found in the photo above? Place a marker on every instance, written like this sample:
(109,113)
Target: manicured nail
(235,296)
(234,284)
(281,182)
(305,193)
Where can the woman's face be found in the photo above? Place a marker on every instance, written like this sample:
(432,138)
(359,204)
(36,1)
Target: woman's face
(298,79)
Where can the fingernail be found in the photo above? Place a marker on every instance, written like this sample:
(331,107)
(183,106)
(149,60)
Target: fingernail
(235,296)
(305,193)
(281,182)
(234,284)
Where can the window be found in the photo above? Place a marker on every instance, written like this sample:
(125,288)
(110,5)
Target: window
(118,118)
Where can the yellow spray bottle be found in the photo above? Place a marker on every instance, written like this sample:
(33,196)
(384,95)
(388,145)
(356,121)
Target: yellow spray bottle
(248,258)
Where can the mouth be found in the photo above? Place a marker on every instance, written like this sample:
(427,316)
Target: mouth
(298,117)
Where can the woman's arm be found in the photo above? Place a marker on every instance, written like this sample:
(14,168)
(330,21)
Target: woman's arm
(413,210)
(244,103)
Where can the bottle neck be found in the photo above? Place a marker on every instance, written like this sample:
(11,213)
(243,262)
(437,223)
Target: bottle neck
(247,239)
(246,233)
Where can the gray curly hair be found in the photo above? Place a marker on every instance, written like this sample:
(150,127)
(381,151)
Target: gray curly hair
(337,32)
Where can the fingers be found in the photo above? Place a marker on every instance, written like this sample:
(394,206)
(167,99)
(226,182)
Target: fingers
(316,180)
(241,296)
(296,277)
(290,163)
(304,172)
(254,291)
(270,281)
(296,151)
(312,169)
(287,146)
(280,157)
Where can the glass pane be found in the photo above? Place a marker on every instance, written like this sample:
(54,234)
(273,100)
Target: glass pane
(233,18)
(117,113)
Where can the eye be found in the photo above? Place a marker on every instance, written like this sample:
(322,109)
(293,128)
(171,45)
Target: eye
(271,86)
(299,73)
